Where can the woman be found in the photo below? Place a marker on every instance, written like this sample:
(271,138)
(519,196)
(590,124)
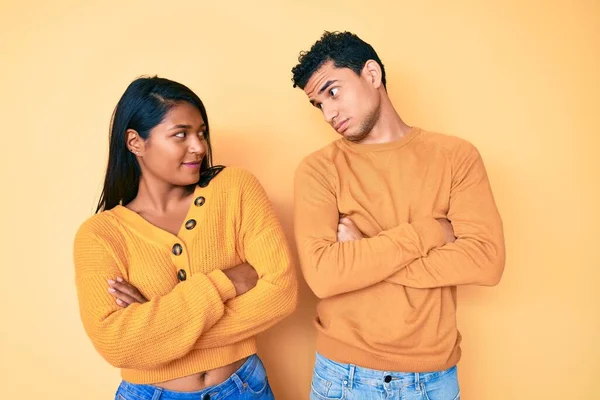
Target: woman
(201,243)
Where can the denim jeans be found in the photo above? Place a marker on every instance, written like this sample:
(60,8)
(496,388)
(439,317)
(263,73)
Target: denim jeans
(248,382)
(332,380)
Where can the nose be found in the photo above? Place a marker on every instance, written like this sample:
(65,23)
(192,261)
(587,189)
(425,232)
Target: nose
(329,112)
(197,145)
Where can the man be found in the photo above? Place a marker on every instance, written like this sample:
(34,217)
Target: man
(389,219)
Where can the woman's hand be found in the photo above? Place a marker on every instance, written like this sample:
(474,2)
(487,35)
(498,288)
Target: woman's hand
(243,277)
(124,292)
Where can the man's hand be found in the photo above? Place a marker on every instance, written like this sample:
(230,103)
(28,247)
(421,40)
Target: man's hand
(347,230)
(448,230)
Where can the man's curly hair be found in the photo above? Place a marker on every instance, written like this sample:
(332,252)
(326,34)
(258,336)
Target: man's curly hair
(345,49)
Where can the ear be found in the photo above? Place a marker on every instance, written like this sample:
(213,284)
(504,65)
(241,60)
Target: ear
(135,143)
(372,72)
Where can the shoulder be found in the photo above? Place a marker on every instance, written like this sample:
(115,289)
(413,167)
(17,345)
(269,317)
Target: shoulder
(322,156)
(102,229)
(98,224)
(237,184)
(236,177)
(452,147)
(445,142)
(319,165)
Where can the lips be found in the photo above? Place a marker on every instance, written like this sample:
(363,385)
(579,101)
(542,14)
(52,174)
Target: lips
(341,126)
(192,164)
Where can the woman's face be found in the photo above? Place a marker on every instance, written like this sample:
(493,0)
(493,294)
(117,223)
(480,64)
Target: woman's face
(175,148)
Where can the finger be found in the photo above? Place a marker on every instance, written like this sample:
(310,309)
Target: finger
(121,303)
(348,222)
(122,298)
(349,230)
(126,288)
(342,228)
(123,287)
(343,238)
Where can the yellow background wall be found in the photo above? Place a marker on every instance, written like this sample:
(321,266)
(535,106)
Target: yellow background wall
(521,80)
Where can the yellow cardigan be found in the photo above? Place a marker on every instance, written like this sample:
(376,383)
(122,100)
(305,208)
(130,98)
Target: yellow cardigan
(192,322)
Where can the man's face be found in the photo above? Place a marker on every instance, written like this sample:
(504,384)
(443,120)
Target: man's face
(349,102)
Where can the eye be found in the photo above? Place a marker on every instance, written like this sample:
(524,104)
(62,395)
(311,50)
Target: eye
(333,91)
(180,134)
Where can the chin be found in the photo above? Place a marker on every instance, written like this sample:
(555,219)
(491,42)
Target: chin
(188,180)
(357,137)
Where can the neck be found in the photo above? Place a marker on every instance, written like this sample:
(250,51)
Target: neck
(389,126)
(158,197)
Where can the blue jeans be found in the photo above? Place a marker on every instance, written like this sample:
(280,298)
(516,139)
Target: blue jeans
(332,380)
(248,382)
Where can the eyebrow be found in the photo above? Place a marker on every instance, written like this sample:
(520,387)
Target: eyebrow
(324,88)
(184,126)
(326,85)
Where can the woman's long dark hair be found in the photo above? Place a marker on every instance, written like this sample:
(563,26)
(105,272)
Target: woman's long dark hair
(143,106)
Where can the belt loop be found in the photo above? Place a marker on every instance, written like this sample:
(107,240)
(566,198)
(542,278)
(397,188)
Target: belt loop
(351,376)
(417,382)
(157,393)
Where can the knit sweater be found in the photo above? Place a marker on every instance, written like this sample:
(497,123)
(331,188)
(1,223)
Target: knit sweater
(193,320)
(389,300)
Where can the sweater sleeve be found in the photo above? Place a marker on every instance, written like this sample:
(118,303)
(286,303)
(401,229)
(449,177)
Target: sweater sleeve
(142,336)
(478,254)
(330,267)
(262,243)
